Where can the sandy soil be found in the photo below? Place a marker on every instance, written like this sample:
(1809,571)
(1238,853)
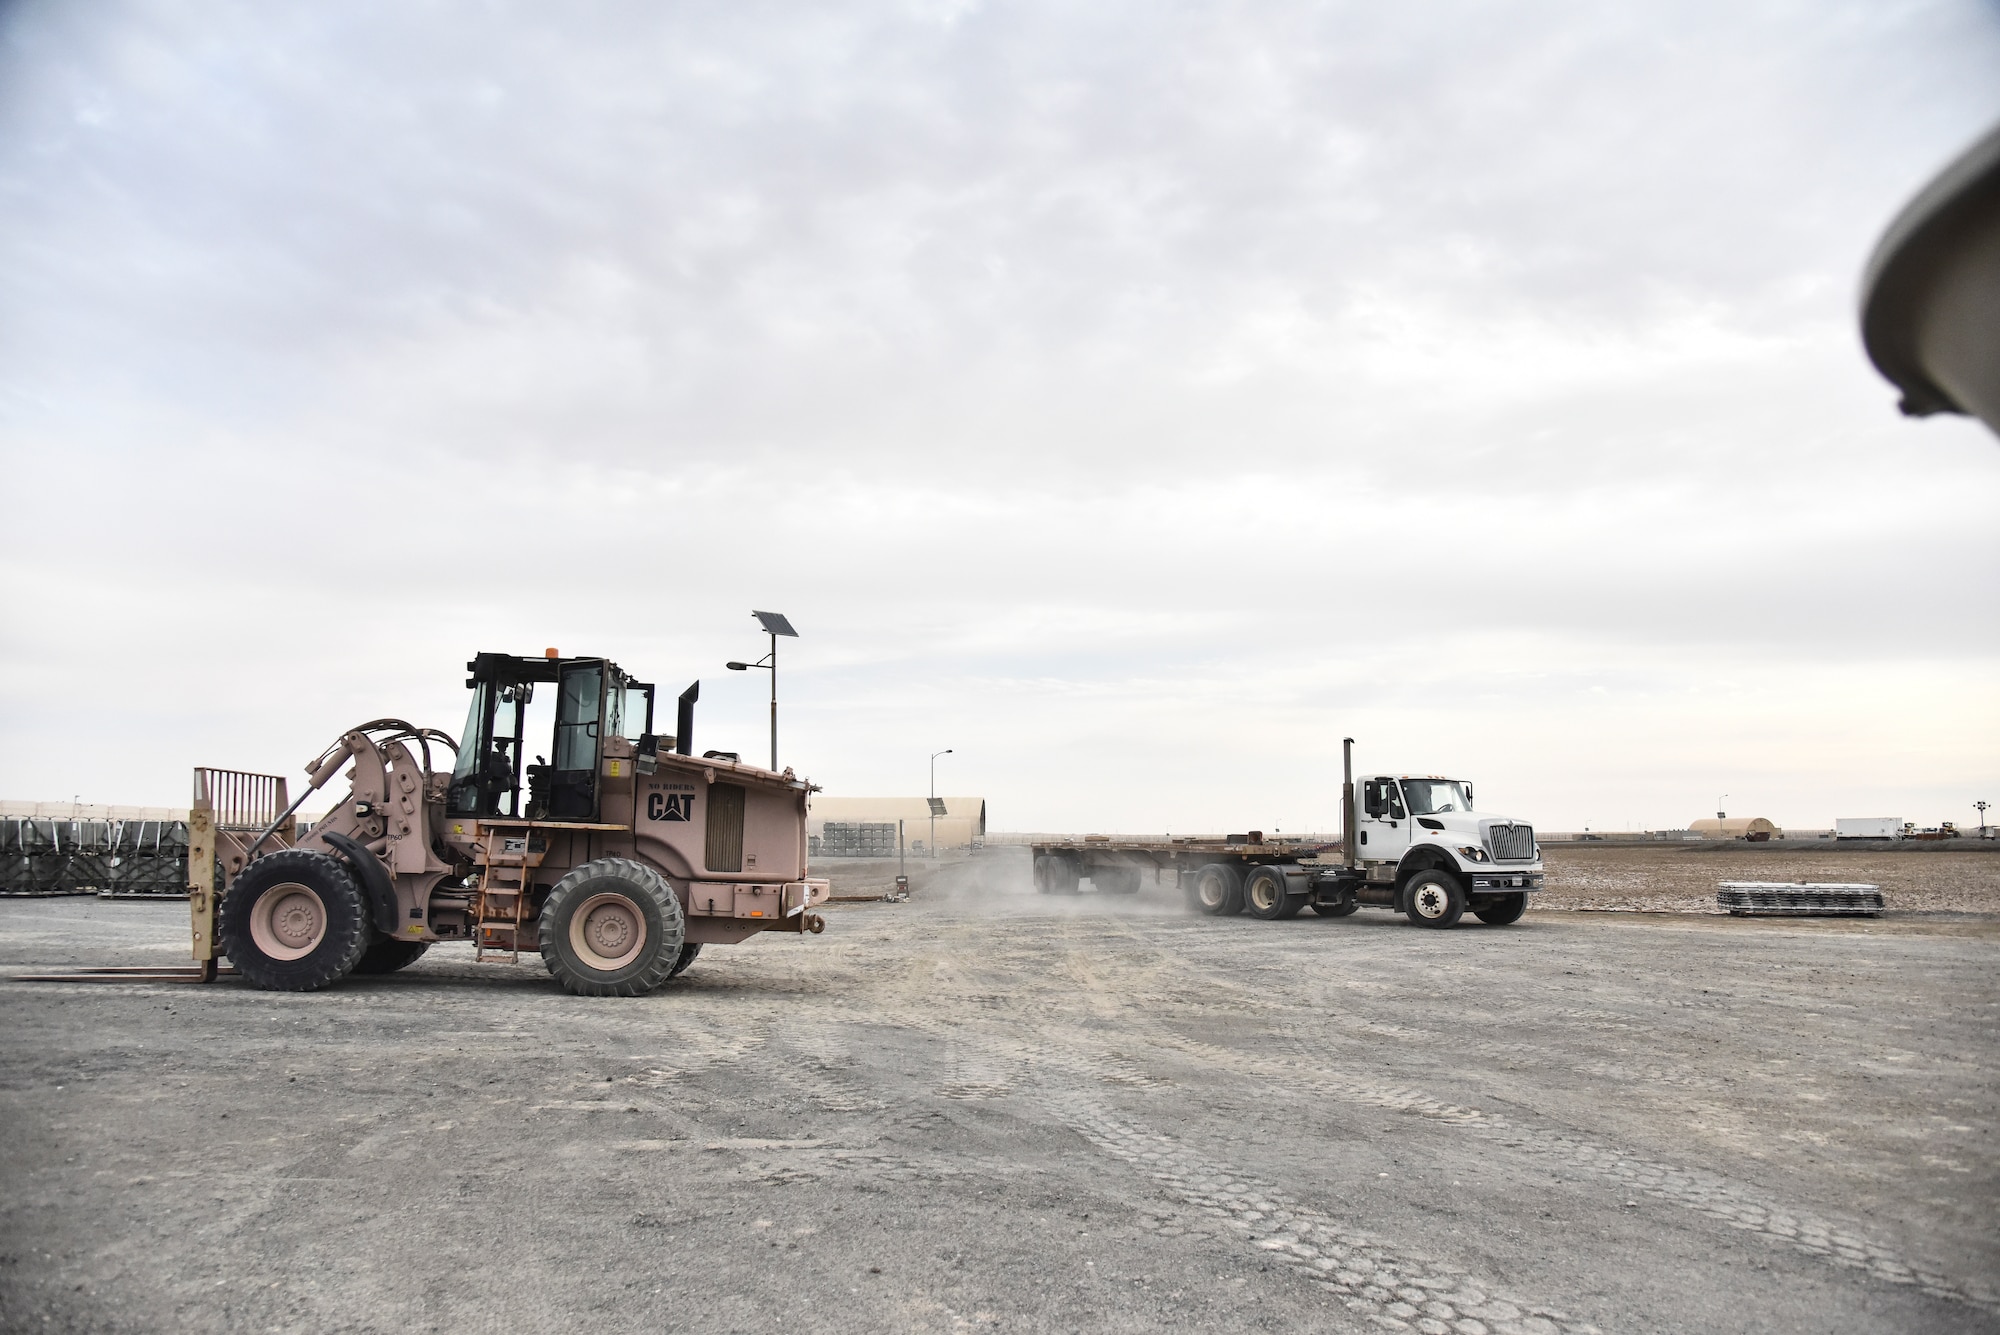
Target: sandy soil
(988,1110)
(1959,878)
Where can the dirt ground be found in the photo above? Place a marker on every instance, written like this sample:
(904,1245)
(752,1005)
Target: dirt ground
(1962,876)
(987,1110)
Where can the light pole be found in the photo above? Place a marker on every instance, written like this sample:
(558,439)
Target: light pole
(774,624)
(1720,814)
(1982,817)
(937,807)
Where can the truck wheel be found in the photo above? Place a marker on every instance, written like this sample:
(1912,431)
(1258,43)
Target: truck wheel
(688,952)
(1338,909)
(1041,873)
(1266,896)
(1115,880)
(1217,890)
(1434,899)
(1065,873)
(612,928)
(386,954)
(294,922)
(1503,909)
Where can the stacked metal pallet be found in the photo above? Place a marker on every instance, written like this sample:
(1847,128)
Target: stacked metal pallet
(148,860)
(855,839)
(1799,899)
(45,856)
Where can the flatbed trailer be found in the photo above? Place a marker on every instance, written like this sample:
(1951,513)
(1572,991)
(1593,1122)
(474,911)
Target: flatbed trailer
(1415,846)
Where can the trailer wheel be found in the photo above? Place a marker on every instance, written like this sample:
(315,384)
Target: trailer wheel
(1434,899)
(295,921)
(1115,880)
(1266,896)
(1503,909)
(688,952)
(1217,890)
(386,954)
(612,928)
(1338,909)
(1057,874)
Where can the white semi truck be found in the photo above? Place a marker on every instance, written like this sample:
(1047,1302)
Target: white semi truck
(1414,844)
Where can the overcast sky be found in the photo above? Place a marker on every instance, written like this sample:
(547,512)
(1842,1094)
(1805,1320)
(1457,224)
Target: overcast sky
(1134,398)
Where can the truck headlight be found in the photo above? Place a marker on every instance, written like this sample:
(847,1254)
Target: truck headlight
(1474,854)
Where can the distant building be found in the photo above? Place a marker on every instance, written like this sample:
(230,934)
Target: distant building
(859,822)
(1755,829)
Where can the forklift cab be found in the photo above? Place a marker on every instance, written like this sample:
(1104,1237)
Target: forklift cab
(594,699)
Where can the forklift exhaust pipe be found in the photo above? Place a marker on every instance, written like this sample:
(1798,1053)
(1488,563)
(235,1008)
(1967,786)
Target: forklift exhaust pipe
(684,720)
(1347,799)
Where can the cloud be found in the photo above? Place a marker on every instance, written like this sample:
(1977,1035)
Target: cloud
(1146,396)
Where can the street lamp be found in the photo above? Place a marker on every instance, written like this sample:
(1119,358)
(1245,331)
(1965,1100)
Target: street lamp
(774,624)
(937,807)
(1982,817)
(1720,814)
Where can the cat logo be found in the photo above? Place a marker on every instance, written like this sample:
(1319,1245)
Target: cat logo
(669,806)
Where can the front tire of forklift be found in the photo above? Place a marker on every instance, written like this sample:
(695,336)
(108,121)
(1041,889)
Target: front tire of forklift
(386,954)
(1502,910)
(295,921)
(1434,899)
(688,952)
(612,928)
(1265,895)
(1217,890)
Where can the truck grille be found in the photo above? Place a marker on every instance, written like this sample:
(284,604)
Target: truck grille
(1512,843)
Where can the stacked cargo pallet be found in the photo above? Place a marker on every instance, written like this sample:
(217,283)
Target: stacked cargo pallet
(1799,899)
(48,856)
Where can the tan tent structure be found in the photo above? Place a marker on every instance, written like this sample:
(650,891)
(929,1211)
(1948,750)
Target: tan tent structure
(964,820)
(1755,829)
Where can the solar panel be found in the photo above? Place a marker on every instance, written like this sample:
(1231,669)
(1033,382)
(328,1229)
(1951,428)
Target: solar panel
(775,624)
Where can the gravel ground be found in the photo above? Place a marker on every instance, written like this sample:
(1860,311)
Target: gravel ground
(989,1110)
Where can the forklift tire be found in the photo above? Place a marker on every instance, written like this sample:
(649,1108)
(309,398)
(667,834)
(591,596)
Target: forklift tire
(1265,895)
(688,952)
(386,954)
(1217,890)
(295,921)
(612,928)
(1434,899)
(1338,909)
(1503,909)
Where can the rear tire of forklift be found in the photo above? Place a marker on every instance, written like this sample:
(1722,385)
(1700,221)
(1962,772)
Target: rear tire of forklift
(688,953)
(1434,899)
(1217,890)
(295,921)
(386,954)
(612,928)
(1502,910)
(1265,895)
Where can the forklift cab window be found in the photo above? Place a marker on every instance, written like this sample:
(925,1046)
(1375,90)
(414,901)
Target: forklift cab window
(485,781)
(576,717)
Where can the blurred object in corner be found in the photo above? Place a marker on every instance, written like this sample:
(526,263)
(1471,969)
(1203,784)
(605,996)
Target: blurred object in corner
(1930,300)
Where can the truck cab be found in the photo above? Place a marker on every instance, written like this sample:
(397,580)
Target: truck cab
(1418,834)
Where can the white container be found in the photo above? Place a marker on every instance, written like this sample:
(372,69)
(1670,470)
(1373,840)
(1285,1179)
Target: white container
(1867,827)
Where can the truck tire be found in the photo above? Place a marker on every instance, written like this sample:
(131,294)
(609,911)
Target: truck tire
(295,921)
(386,954)
(612,928)
(1434,899)
(1115,880)
(1044,876)
(1502,909)
(1217,890)
(1267,895)
(688,952)
(1338,909)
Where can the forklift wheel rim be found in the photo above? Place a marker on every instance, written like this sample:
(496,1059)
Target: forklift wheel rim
(607,932)
(288,921)
(1431,900)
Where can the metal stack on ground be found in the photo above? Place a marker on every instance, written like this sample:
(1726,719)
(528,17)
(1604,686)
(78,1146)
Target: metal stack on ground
(1799,899)
(46,856)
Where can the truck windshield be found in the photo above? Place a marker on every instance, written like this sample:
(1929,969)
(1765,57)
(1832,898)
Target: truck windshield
(1434,797)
